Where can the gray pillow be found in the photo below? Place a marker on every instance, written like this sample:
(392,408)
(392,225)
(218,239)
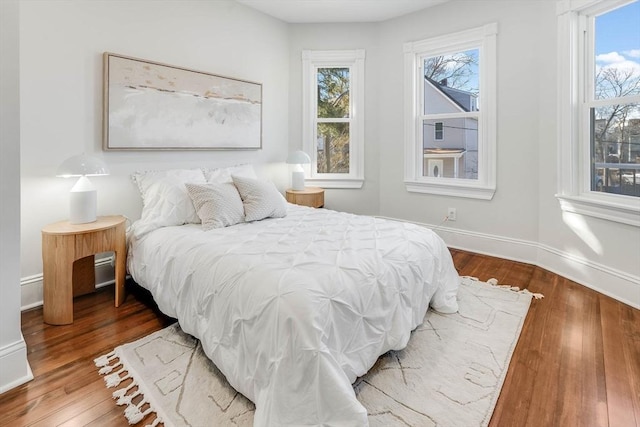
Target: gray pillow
(217,205)
(261,199)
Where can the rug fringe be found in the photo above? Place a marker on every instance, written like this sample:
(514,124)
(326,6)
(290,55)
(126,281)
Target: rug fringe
(494,282)
(133,411)
(104,359)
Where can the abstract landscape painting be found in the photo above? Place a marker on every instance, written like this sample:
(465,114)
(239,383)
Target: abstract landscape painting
(148,105)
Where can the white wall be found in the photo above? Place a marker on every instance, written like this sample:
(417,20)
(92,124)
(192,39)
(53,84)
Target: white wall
(523,221)
(61,46)
(341,37)
(602,254)
(14,368)
(513,210)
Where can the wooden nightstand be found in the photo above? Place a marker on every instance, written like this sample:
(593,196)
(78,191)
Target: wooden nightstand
(310,196)
(68,262)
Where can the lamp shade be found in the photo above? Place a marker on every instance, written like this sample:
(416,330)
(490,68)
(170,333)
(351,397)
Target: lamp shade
(298,158)
(82,165)
(83,195)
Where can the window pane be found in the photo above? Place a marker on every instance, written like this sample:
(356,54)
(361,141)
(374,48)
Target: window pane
(615,149)
(617,52)
(333,147)
(456,151)
(333,92)
(452,82)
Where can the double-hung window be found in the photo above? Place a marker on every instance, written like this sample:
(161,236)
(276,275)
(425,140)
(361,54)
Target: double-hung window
(450,114)
(599,109)
(439,131)
(333,117)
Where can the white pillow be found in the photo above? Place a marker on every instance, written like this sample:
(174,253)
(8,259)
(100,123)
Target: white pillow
(217,205)
(221,175)
(165,201)
(261,199)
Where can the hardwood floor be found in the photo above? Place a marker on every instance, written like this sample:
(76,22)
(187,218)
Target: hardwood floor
(577,362)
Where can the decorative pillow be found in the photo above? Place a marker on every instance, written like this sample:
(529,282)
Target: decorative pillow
(217,205)
(221,175)
(165,201)
(261,199)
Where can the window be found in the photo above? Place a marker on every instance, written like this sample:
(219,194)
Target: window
(439,131)
(333,122)
(599,105)
(450,88)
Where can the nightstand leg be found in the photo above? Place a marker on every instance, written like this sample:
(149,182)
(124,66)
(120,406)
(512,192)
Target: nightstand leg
(57,289)
(121,266)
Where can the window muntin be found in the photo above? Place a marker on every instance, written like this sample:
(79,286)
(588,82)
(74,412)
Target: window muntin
(333,117)
(464,158)
(612,100)
(333,112)
(451,90)
(576,122)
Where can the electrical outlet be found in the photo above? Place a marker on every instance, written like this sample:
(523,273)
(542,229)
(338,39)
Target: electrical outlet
(451,214)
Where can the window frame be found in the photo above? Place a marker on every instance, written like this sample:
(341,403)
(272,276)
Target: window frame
(575,72)
(484,39)
(312,60)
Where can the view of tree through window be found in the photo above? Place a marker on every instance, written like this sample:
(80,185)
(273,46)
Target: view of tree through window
(460,70)
(450,117)
(615,104)
(333,120)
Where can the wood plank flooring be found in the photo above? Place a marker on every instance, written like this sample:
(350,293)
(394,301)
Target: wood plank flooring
(577,362)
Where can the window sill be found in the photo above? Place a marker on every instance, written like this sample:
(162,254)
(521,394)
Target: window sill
(599,207)
(335,183)
(454,190)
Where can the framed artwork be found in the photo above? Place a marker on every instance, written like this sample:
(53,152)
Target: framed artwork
(154,106)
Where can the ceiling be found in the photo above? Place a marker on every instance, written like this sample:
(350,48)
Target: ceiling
(324,11)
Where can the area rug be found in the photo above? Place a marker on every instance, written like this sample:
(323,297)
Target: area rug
(450,373)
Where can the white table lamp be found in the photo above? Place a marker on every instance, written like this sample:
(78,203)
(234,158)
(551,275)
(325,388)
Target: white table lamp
(298,158)
(83,197)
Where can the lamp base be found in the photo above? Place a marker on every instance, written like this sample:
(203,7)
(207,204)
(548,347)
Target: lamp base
(83,202)
(297,180)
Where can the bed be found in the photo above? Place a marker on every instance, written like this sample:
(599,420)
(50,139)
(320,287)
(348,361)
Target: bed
(293,307)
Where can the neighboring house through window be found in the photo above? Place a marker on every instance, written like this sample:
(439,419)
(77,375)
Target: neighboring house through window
(333,121)
(450,133)
(599,107)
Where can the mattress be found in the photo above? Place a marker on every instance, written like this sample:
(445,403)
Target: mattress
(292,310)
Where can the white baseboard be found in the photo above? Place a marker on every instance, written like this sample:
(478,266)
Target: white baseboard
(31,286)
(617,284)
(14,367)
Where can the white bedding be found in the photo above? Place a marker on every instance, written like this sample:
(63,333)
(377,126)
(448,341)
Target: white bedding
(292,310)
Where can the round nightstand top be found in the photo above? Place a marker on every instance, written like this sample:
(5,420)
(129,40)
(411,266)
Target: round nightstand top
(307,190)
(101,223)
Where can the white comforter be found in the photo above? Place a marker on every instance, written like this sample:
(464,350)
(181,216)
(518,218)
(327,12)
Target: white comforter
(293,310)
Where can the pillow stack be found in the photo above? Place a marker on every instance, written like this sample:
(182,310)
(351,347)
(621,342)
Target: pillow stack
(214,197)
(165,201)
(242,200)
